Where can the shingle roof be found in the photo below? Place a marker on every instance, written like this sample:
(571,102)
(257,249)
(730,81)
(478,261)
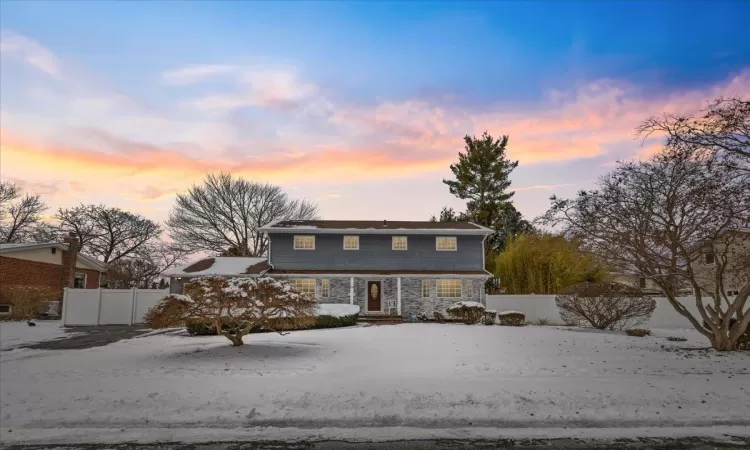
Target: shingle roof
(376,224)
(376,272)
(221,265)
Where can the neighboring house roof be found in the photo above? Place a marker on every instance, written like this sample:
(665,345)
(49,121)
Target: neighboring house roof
(221,265)
(378,272)
(374,227)
(16,247)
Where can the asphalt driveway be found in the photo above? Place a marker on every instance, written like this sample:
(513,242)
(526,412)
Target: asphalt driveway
(88,337)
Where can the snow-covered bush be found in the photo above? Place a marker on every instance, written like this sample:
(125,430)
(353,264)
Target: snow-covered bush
(234,306)
(512,318)
(489,317)
(467,312)
(604,305)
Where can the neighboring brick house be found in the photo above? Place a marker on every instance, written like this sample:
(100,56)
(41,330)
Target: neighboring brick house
(387,268)
(54,264)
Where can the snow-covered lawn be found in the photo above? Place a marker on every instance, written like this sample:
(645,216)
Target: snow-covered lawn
(427,376)
(13,334)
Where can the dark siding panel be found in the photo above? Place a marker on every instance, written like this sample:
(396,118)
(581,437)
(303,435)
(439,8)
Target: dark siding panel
(375,253)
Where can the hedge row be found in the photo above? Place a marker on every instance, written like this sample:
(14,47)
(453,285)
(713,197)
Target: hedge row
(198,327)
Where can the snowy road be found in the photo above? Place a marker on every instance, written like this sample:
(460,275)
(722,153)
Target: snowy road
(422,376)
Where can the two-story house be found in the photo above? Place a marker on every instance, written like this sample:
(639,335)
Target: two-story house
(384,267)
(387,268)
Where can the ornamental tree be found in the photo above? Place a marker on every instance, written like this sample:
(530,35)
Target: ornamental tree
(234,306)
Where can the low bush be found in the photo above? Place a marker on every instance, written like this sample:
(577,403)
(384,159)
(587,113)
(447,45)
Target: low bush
(467,312)
(676,339)
(198,327)
(489,317)
(604,305)
(639,332)
(512,318)
(27,301)
(542,321)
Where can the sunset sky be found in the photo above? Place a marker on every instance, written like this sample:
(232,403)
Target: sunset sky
(360,107)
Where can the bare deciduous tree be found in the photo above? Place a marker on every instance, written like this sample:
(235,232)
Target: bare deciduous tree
(144,267)
(604,305)
(109,234)
(224,214)
(656,217)
(19,214)
(723,127)
(234,306)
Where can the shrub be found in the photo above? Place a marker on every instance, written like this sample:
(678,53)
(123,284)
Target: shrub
(512,318)
(27,301)
(489,317)
(467,312)
(542,321)
(200,327)
(234,306)
(604,305)
(676,339)
(640,332)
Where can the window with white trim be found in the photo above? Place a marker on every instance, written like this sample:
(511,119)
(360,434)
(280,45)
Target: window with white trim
(469,288)
(446,243)
(325,288)
(305,286)
(79,282)
(399,243)
(425,288)
(5,309)
(448,288)
(351,242)
(304,242)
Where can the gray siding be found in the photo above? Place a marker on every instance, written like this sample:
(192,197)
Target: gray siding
(375,253)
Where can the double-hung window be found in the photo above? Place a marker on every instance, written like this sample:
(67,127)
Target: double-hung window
(305,286)
(446,243)
(304,242)
(448,288)
(351,242)
(325,288)
(399,243)
(425,288)
(469,288)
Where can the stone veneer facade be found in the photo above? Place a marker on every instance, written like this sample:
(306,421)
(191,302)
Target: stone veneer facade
(411,294)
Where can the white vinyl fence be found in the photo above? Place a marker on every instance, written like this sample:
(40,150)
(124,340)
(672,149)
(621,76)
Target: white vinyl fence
(108,306)
(543,307)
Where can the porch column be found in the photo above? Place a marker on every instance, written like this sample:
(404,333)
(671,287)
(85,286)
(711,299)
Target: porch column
(351,290)
(398,296)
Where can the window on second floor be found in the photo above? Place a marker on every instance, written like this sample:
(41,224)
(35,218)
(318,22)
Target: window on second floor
(446,243)
(708,258)
(304,242)
(448,288)
(399,243)
(351,242)
(305,286)
(642,283)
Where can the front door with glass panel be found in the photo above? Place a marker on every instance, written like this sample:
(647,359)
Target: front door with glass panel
(373,296)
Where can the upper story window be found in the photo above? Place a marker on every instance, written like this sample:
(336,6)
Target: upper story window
(708,258)
(304,242)
(446,243)
(305,286)
(448,288)
(351,242)
(399,243)
(642,283)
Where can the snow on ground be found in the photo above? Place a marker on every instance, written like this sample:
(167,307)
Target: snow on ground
(13,334)
(419,376)
(337,309)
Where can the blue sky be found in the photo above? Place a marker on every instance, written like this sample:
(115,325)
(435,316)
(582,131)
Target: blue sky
(351,104)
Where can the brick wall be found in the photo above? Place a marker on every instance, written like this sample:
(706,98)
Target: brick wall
(15,271)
